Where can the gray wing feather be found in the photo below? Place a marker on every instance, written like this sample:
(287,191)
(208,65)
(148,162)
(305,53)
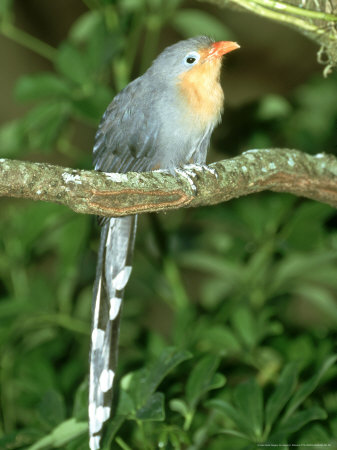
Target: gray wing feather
(126,139)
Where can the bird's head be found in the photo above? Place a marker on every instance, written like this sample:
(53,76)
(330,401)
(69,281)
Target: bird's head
(193,66)
(198,54)
(211,55)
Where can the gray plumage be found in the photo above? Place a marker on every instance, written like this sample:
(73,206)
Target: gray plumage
(147,126)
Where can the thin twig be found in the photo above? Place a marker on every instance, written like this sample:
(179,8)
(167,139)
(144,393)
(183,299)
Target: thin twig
(28,41)
(303,12)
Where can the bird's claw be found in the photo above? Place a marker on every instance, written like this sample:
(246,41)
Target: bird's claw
(189,175)
(191,171)
(202,168)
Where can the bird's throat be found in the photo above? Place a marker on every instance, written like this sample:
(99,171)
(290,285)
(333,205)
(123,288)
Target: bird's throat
(202,92)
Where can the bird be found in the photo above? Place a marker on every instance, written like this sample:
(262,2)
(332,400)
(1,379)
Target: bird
(161,120)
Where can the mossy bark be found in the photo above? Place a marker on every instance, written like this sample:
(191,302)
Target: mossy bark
(90,192)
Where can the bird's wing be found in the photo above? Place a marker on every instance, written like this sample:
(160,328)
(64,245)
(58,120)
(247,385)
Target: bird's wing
(128,134)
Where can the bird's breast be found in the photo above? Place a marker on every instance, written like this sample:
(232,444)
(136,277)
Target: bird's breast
(202,94)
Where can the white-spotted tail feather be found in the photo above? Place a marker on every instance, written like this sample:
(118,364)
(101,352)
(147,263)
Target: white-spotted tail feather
(112,275)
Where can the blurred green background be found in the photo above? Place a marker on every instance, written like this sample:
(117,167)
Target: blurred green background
(229,322)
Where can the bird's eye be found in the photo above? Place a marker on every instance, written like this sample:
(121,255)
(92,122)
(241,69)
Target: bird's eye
(191,59)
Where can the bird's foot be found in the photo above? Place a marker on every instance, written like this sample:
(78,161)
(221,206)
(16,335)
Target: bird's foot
(188,175)
(202,168)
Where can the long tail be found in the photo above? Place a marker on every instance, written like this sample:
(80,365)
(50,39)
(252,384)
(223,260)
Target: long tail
(112,275)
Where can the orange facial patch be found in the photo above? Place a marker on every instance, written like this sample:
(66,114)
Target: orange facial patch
(201,89)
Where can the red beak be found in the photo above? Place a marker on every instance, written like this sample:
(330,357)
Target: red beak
(220,48)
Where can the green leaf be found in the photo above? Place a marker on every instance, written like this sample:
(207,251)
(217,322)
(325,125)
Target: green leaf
(61,435)
(52,409)
(218,381)
(137,395)
(101,41)
(32,224)
(307,388)
(19,440)
(298,268)
(233,433)
(320,297)
(72,64)
(234,414)
(68,241)
(219,338)
(80,410)
(5,7)
(279,439)
(85,26)
(316,434)
(153,408)
(112,428)
(12,138)
(273,107)
(40,86)
(248,399)
(281,394)
(132,5)
(43,123)
(126,405)
(144,382)
(192,22)
(179,406)
(203,379)
(245,325)
(92,106)
(298,420)
(103,47)
(213,264)
(306,228)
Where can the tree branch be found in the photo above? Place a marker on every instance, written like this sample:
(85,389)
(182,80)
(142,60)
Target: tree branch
(316,19)
(110,194)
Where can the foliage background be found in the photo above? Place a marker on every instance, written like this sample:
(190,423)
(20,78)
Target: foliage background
(229,323)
